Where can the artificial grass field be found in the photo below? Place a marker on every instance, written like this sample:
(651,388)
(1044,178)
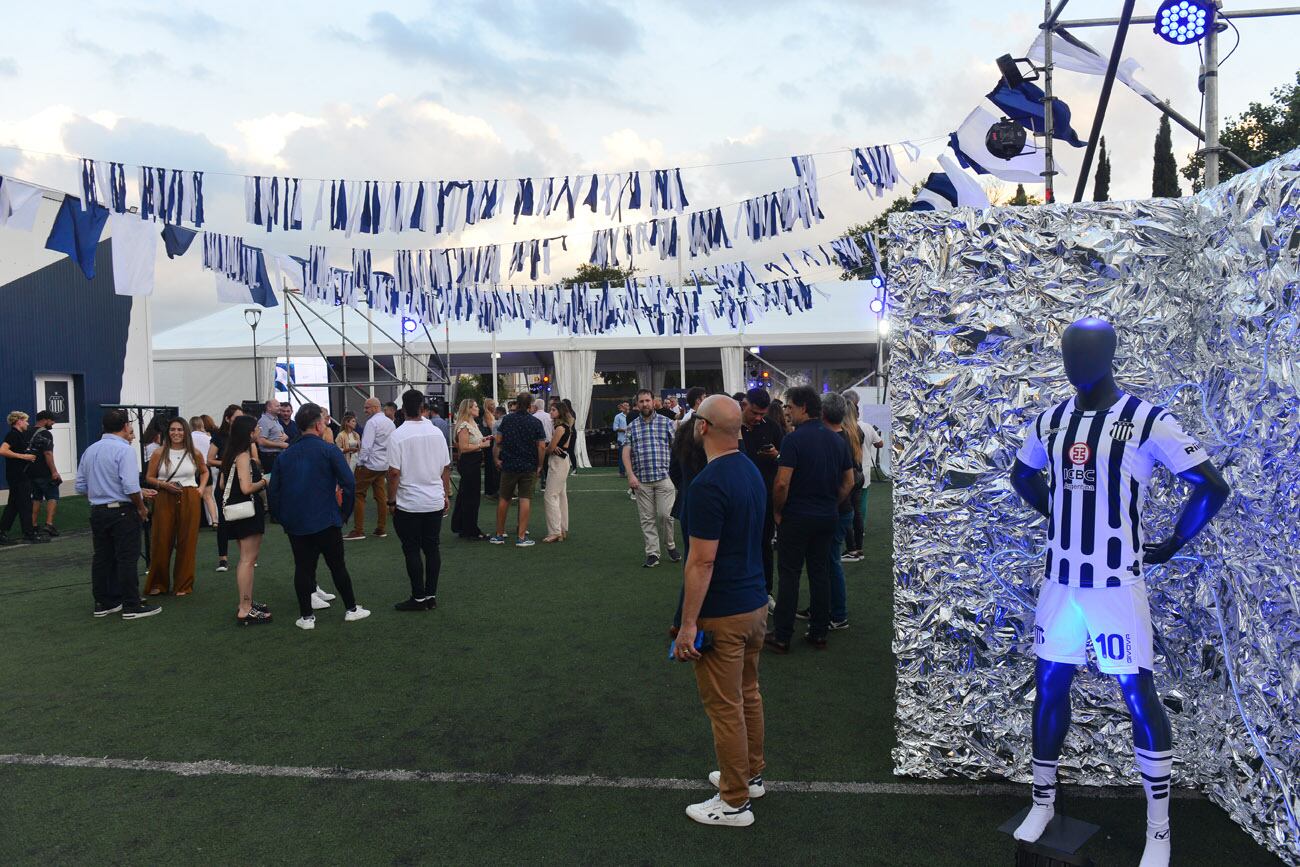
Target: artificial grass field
(546,661)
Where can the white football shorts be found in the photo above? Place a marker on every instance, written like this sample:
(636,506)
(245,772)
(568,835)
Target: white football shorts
(1115,620)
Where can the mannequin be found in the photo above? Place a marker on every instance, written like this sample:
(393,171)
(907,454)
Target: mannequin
(1099,449)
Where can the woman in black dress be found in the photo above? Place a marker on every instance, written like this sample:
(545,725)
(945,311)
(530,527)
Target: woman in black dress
(244,483)
(470,445)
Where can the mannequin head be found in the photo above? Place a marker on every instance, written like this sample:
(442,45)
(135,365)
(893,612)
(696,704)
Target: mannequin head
(1088,349)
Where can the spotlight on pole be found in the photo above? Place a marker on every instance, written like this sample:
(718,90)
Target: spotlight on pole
(1184,22)
(877,305)
(409,325)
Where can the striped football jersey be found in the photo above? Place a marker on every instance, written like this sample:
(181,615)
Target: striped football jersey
(1100,464)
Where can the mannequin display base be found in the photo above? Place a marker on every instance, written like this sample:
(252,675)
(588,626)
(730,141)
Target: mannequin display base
(1062,838)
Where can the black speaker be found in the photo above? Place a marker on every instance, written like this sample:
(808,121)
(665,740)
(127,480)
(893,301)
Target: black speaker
(1005,139)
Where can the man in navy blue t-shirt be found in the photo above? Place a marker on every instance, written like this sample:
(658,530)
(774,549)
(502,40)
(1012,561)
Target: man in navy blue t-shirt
(814,474)
(725,598)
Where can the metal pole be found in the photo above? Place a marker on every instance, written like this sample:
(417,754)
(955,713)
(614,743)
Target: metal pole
(403,367)
(257,374)
(343,346)
(288,367)
(1112,68)
(1049,166)
(370,349)
(1212,105)
(451,382)
(495,398)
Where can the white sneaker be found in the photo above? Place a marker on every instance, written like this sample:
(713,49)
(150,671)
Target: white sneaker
(328,597)
(357,613)
(771,604)
(1156,853)
(756,789)
(716,811)
(1035,823)
(305,623)
(318,603)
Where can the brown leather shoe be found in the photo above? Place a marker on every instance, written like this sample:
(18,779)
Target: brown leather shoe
(770,643)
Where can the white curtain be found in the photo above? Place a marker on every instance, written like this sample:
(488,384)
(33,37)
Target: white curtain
(411,368)
(733,369)
(265,377)
(574,370)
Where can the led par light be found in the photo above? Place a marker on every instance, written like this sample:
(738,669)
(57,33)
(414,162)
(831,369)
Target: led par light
(1184,22)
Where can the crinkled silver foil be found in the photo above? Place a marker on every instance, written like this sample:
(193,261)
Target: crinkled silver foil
(1205,293)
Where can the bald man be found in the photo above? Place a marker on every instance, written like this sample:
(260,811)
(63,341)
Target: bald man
(725,600)
(371,470)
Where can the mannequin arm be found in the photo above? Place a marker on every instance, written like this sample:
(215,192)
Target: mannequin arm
(1209,493)
(1032,487)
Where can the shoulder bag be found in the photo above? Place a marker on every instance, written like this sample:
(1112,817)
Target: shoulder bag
(236,511)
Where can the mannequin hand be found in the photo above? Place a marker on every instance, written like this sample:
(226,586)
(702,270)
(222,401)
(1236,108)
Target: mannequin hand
(1155,553)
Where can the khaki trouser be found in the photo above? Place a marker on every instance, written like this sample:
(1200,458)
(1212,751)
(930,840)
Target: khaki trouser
(557,495)
(377,479)
(175,525)
(654,502)
(727,679)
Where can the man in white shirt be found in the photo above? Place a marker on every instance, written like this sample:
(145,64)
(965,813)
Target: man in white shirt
(419,476)
(371,470)
(540,413)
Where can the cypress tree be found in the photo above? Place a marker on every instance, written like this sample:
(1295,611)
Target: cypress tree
(1164,175)
(1101,190)
(1020,198)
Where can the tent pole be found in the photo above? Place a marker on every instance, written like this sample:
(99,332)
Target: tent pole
(495,398)
(370,349)
(288,367)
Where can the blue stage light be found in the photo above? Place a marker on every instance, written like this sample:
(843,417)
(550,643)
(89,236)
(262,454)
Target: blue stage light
(409,325)
(1183,22)
(877,306)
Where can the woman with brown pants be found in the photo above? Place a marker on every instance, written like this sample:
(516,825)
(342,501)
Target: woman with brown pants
(178,472)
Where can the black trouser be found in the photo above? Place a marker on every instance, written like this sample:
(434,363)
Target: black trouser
(859,520)
(800,540)
(418,532)
(491,476)
(306,551)
(464,516)
(769,555)
(20,503)
(115,534)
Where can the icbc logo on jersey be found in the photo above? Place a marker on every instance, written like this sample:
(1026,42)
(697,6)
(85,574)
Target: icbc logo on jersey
(1079,454)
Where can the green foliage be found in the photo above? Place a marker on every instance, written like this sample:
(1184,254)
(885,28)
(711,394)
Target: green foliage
(1101,185)
(1261,133)
(620,378)
(868,270)
(589,273)
(477,386)
(1164,174)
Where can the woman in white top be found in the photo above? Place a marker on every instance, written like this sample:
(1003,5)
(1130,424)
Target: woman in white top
(178,472)
(202,442)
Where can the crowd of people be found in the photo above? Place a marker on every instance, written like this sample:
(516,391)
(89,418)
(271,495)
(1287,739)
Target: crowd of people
(764,491)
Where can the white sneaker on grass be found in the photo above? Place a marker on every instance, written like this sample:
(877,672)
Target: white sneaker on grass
(357,613)
(1035,823)
(328,597)
(305,623)
(716,811)
(1156,853)
(318,603)
(756,788)
(771,604)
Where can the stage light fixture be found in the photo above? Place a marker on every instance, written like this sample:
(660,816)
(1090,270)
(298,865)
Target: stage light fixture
(1006,139)
(409,325)
(878,282)
(883,328)
(877,305)
(1184,22)
(755,350)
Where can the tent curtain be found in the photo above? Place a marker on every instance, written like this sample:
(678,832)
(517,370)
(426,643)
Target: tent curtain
(266,376)
(411,368)
(574,370)
(733,369)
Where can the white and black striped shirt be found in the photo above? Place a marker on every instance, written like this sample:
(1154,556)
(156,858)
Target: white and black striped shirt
(1101,463)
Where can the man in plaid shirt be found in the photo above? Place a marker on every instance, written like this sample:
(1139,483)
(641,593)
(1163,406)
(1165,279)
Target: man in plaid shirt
(646,458)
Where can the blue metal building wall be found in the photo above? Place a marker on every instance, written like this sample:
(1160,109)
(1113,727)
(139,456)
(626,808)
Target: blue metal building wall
(56,321)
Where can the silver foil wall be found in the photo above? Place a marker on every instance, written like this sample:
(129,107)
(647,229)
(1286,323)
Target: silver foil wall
(1205,293)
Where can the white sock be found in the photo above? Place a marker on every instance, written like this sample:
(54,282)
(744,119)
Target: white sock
(1044,808)
(1157,772)
(1044,783)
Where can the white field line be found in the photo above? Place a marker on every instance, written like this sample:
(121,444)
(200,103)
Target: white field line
(218,768)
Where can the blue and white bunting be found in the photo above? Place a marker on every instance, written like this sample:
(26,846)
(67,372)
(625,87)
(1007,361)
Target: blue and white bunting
(273,201)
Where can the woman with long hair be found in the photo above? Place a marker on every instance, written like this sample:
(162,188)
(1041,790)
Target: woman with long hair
(777,414)
(558,466)
(685,462)
(244,484)
(470,445)
(491,477)
(153,434)
(215,448)
(178,473)
(348,440)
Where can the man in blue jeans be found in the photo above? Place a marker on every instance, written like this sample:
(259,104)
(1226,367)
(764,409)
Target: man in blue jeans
(814,475)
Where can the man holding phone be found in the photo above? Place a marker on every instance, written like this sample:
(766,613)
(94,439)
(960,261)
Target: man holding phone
(761,440)
(724,600)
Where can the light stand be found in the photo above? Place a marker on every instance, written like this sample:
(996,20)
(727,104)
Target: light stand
(253,315)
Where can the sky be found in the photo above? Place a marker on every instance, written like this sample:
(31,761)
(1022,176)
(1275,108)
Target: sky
(513,88)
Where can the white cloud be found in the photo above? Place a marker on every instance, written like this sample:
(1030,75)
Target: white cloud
(264,137)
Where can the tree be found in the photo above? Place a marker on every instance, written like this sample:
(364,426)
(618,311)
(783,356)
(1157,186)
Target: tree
(589,273)
(1101,188)
(1259,134)
(868,270)
(1164,175)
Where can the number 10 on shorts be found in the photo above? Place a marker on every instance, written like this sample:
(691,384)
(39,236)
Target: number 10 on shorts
(1113,646)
